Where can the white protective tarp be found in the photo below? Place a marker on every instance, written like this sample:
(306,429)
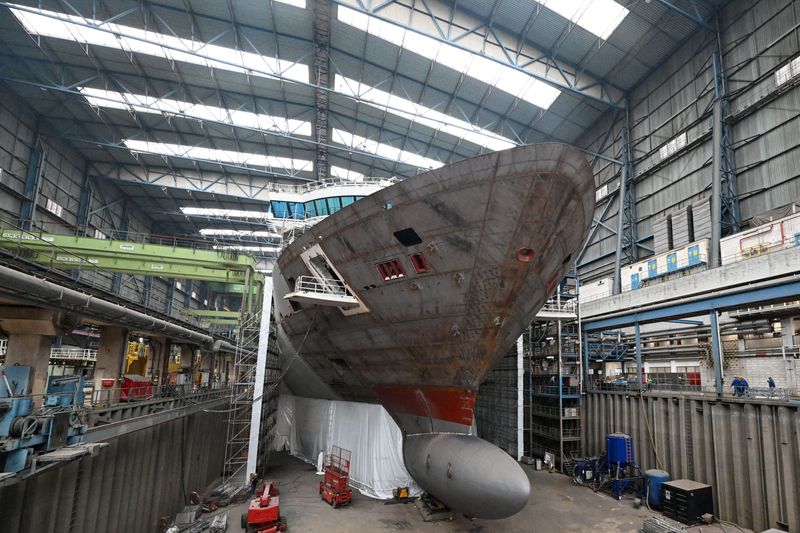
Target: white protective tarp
(307,426)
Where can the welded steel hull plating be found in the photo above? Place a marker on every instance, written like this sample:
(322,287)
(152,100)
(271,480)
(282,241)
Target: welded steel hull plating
(445,270)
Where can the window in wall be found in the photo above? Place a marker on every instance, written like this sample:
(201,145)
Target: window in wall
(787,72)
(672,146)
(322,207)
(279,209)
(601,193)
(53,207)
(334,204)
(347,200)
(311,210)
(298,210)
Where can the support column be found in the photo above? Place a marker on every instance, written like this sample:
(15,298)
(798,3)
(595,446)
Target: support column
(725,214)
(789,351)
(716,352)
(31,350)
(31,332)
(111,354)
(27,211)
(187,364)
(585,359)
(716,185)
(638,353)
(627,235)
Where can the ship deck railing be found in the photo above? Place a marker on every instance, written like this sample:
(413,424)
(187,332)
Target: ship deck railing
(555,310)
(325,286)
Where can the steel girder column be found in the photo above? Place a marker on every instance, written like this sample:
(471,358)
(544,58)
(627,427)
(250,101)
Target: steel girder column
(638,335)
(724,192)
(716,352)
(187,296)
(27,208)
(170,296)
(322,68)
(121,234)
(148,290)
(626,217)
(585,380)
(85,202)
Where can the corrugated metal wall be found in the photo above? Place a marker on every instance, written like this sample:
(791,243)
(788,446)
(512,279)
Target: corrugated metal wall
(758,38)
(749,452)
(128,486)
(62,180)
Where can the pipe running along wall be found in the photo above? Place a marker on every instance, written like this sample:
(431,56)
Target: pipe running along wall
(43,292)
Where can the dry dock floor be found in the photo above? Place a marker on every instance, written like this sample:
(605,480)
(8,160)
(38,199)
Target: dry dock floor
(556,506)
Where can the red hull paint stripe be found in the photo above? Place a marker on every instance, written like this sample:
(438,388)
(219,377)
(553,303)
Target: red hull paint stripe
(442,403)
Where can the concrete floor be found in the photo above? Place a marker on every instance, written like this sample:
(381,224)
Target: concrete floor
(556,505)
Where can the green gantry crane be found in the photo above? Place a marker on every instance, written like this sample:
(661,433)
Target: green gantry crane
(69,252)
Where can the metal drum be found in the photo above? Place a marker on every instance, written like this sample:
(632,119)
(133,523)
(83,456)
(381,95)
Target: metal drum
(655,478)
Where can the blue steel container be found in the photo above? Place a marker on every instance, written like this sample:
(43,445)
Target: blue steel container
(618,446)
(655,478)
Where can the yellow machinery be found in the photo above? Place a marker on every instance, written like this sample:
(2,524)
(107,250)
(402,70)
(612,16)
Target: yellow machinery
(138,355)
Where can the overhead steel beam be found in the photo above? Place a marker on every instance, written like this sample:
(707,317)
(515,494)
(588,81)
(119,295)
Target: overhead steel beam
(695,17)
(102,27)
(701,306)
(211,182)
(538,64)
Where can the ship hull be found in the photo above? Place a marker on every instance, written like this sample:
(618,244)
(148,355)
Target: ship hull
(446,270)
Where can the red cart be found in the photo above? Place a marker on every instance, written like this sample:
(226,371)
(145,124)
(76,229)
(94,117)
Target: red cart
(336,488)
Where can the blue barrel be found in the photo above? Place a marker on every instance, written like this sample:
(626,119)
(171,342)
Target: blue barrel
(619,448)
(655,478)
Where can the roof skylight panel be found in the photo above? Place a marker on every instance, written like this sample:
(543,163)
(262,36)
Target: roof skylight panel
(386,151)
(149,104)
(346,174)
(218,156)
(296,3)
(421,114)
(135,40)
(219,232)
(503,77)
(600,17)
(224,213)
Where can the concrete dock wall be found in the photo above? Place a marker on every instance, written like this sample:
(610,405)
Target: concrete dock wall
(138,478)
(748,451)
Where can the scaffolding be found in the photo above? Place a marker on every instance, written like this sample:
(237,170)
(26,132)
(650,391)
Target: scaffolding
(552,352)
(496,406)
(242,389)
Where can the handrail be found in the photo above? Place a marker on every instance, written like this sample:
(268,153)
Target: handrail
(321,286)
(73,354)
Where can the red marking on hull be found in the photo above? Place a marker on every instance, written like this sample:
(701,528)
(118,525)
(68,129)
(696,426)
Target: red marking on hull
(451,404)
